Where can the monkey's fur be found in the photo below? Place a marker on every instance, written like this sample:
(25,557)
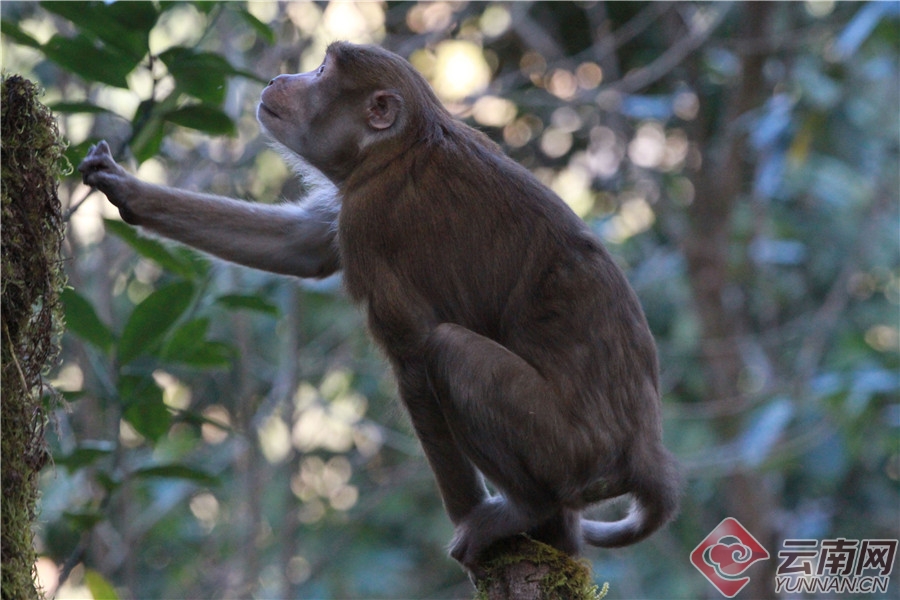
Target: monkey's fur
(520,349)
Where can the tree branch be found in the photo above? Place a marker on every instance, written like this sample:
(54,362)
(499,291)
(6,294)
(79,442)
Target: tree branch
(701,30)
(520,568)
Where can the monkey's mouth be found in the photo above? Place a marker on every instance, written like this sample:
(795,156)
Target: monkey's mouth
(268,111)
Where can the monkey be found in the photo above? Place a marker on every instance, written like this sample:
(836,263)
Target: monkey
(522,354)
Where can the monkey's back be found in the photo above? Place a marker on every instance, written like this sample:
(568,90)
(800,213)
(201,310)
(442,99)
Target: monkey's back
(487,246)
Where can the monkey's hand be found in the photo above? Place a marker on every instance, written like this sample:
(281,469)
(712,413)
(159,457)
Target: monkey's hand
(100,171)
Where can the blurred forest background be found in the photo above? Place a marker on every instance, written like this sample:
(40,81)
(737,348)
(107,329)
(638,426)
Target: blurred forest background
(230,434)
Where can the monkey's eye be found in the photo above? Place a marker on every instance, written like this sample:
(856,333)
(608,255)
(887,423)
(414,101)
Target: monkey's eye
(321,69)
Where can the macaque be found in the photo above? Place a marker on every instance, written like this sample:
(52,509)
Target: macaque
(522,354)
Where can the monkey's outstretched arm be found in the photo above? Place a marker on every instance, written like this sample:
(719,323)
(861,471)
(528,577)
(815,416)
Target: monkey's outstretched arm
(290,239)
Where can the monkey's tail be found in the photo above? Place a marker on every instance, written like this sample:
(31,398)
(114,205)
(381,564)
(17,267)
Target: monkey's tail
(654,503)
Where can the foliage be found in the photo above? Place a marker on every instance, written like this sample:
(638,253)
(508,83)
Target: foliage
(112,42)
(234,434)
(31,278)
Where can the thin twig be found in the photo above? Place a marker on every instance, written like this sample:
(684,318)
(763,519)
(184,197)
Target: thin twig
(77,204)
(823,322)
(668,60)
(630,29)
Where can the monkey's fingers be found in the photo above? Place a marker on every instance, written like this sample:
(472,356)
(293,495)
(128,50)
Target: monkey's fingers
(97,151)
(98,160)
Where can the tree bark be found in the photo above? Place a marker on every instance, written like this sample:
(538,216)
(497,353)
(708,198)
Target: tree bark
(31,279)
(523,569)
(719,186)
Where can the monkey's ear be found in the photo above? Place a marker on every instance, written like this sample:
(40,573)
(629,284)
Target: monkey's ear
(383,109)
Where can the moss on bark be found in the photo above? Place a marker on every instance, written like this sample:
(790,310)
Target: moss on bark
(31,279)
(524,569)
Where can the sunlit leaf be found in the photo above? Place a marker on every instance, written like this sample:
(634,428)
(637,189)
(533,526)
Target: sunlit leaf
(123,25)
(12,30)
(100,588)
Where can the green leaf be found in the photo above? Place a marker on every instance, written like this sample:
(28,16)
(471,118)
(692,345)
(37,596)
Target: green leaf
(77,107)
(79,55)
(123,25)
(151,420)
(147,139)
(177,471)
(151,320)
(82,320)
(100,588)
(13,31)
(144,406)
(147,125)
(109,483)
(188,345)
(203,118)
(75,153)
(200,74)
(263,30)
(85,454)
(187,337)
(83,521)
(71,397)
(152,249)
(210,354)
(245,302)
(200,264)
(138,389)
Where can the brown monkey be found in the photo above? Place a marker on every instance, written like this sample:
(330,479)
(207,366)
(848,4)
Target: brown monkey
(521,351)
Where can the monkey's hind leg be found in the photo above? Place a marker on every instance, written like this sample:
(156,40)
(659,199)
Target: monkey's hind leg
(506,418)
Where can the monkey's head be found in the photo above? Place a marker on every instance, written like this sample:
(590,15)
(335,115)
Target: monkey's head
(360,100)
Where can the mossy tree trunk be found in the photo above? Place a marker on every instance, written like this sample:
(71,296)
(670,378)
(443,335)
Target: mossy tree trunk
(31,279)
